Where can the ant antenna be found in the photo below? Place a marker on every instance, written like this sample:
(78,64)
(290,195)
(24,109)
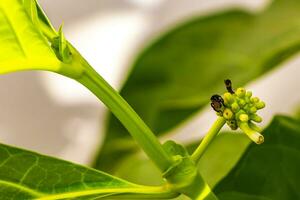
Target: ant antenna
(228,86)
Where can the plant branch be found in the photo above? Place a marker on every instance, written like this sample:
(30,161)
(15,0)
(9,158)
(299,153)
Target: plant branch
(211,134)
(127,116)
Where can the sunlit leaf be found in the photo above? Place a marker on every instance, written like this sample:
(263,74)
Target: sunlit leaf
(26,38)
(22,46)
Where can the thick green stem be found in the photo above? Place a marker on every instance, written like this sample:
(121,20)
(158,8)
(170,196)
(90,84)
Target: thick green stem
(128,117)
(211,134)
(199,190)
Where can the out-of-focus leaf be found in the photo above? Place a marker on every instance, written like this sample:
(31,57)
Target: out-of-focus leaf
(28,175)
(221,156)
(267,171)
(177,74)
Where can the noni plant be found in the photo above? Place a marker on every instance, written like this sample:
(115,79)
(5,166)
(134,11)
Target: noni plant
(182,71)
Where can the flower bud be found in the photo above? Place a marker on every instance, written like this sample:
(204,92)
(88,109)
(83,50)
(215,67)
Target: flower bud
(228,98)
(256,118)
(240,92)
(248,94)
(235,107)
(253,135)
(254,127)
(244,117)
(242,102)
(227,114)
(254,99)
(260,105)
(252,109)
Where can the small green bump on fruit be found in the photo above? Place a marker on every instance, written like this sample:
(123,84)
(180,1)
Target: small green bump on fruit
(235,106)
(241,102)
(240,92)
(254,99)
(260,105)
(256,118)
(246,107)
(237,115)
(244,117)
(228,98)
(252,110)
(248,94)
(247,99)
(227,114)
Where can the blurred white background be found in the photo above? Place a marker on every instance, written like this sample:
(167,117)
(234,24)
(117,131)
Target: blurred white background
(51,114)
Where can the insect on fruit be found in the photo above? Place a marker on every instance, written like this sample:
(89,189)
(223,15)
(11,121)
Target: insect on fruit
(217,103)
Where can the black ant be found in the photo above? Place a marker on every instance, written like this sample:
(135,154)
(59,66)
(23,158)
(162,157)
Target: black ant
(217,102)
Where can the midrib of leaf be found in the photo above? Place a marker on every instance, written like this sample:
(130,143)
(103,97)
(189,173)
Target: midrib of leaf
(141,190)
(44,196)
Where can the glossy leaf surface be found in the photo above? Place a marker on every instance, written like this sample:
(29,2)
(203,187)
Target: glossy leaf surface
(270,170)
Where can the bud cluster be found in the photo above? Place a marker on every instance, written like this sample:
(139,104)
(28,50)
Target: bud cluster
(239,109)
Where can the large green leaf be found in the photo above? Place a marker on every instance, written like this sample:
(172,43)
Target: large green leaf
(28,175)
(23,45)
(27,40)
(267,171)
(176,75)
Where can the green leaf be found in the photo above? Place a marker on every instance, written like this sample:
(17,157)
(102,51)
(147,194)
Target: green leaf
(28,175)
(176,75)
(23,46)
(221,156)
(267,171)
(25,40)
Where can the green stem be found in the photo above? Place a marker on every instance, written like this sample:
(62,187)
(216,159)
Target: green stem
(199,190)
(128,117)
(211,134)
